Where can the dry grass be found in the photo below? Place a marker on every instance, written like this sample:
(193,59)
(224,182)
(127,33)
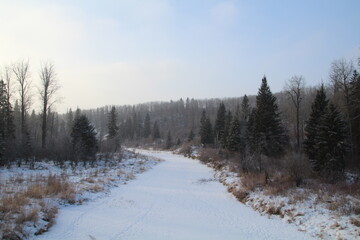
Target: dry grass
(250,181)
(280,183)
(13,204)
(240,195)
(52,187)
(130,176)
(31,215)
(207,155)
(95,188)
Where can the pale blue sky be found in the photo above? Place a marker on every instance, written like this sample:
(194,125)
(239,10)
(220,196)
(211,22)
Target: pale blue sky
(127,52)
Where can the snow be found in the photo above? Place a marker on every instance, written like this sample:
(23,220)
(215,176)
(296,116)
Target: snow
(87,183)
(177,199)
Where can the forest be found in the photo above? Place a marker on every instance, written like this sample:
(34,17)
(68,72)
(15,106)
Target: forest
(318,127)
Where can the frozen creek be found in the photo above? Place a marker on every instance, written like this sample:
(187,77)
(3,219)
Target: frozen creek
(177,199)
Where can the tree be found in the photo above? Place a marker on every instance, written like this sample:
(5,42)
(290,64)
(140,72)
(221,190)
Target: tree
(312,129)
(268,132)
(168,143)
(206,132)
(294,89)
(49,88)
(245,109)
(220,123)
(228,121)
(354,113)
(112,123)
(83,140)
(22,74)
(234,137)
(340,75)
(156,131)
(330,144)
(147,126)
(191,136)
(113,137)
(7,129)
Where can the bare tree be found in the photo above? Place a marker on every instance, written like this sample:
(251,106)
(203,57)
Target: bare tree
(8,80)
(294,88)
(49,88)
(22,75)
(340,75)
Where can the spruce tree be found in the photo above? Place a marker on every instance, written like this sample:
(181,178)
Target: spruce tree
(156,131)
(354,113)
(84,142)
(7,127)
(234,137)
(112,123)
(330,143)
(268,133)
(168,143)
(318,109)
(206,131)
(147,126)
(3,101)
(245,109)
(191,136)
(224,139)
(220,122)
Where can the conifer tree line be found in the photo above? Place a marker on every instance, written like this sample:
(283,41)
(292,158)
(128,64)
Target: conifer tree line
(323,121)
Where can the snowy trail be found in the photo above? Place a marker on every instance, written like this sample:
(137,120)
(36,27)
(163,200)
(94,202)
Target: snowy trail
(171,201)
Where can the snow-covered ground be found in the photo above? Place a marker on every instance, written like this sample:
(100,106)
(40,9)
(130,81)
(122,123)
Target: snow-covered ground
(178,199)
(30,198)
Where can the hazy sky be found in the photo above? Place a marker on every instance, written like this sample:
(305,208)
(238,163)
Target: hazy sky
(128,51)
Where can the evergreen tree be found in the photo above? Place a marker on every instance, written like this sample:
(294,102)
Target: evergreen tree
(7,127)
(2,121)
(330,143)
(354,113)
(156,131)
(220,123)
(206,133)
(168,143)
(191,136)
(318,109)
(112,123)
(234,137)
(147,126)
(245,109)
(84,142)
(228,121)
(268,133)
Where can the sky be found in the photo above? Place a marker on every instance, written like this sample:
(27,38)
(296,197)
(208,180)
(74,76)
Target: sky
(115,52)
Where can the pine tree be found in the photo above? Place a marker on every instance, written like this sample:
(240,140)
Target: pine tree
(206,132)
(7,127)
(2,121)
(268,133)
(84,140)
(191,136)
(220,123)
(228,121)
(112,123)
(318,109)
(168,143)
(147,126)
(156,131)
(245,109)
(234,137)
(354,113)
(330,143)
